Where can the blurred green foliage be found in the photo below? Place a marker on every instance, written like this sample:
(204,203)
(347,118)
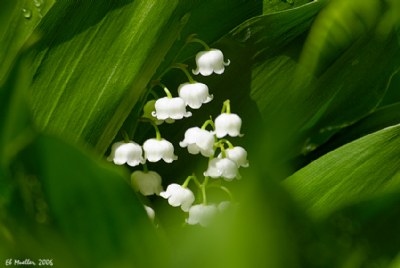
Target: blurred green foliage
(307,77)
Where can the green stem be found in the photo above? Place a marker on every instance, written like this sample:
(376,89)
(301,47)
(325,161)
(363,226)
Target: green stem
(223,153)
(197,40)
(156,129)
(145,168)
(125,135)
(208,122)
(189,178)
(203,190)
(183,68)
(230,145)
(166,90)
(226,108)
(226,190)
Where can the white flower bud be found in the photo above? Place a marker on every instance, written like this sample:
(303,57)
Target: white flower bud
(228,124)
(194,94)
(238,155)
(150,212)
(178,196)
(201,214)
(155,150)
(222,167)
(170,108)
(198,140)
(210,61)
(126,152)
(147,183)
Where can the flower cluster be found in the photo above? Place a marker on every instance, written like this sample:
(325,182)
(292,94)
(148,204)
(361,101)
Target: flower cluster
(224,159)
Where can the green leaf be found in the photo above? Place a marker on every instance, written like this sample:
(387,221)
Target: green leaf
(295,115)
(15,117)
(381,118)
(270,6)
(354,172)
(89,205)
(365,234)
(91,69)
(336,28)
(125,44)
(18,19)
(393,93)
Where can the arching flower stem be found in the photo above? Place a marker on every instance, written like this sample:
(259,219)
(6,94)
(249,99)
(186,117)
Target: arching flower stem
(164,87)
(222,147)
(189,178)
(226,108)
(192,39)
(203,190)
(183,68)
(145,168)
(222,141)
(125,135)
(156,129)
(208,122)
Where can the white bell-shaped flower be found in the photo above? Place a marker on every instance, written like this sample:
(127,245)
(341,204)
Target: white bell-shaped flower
(194,94)
(170,108)
(178,196)
(222,167)
(238,155)
(228,124)
(201,214)
(148,110)
(210,61)
(198,140)
(147,183)
(126,152)
(150,212)
(155,150)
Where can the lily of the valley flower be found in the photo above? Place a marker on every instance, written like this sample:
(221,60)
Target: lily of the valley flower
(147,183)
(194,94)
(210,61)
(126,152)
(222,167)
(228,124)
(238,155)
(198,140)
(170,108)
(201,214)
(155,150)
(178,196)
(148,109)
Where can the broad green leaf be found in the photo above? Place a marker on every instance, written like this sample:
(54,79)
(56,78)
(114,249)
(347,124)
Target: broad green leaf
(18,19)
(15,117)
(356,171)
(126,42)
(365,234)
(270,6)
(381,118)
(336,28)
(346,91)
(85,205)
(393,93)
